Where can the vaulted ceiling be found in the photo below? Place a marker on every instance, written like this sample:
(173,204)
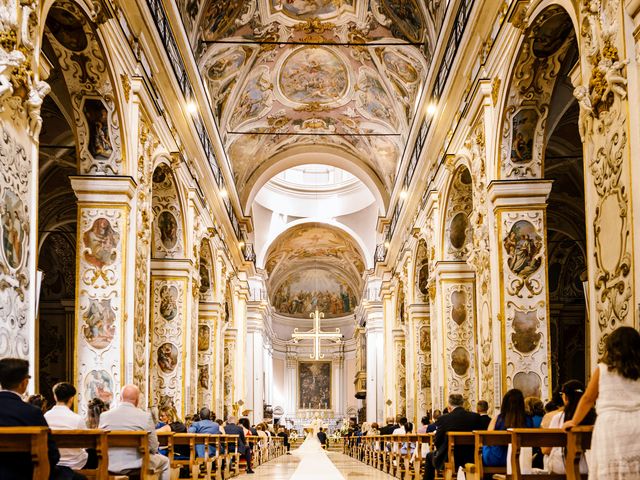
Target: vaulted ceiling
(285,73)
(314,264)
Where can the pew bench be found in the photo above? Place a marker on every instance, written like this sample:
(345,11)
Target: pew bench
(31,440)
(456,439)
(94,439)
(534,437)
(488,438)
(578,442)
(138,440)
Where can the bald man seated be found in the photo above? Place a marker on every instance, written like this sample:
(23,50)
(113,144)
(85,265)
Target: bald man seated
(127,416)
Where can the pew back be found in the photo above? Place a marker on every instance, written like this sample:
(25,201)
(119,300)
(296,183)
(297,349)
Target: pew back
(31,440)
(95,439)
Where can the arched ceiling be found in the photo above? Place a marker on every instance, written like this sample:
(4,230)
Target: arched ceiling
(314,264)
(283,73)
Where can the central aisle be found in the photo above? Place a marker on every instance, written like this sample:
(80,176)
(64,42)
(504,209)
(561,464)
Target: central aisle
(284,467)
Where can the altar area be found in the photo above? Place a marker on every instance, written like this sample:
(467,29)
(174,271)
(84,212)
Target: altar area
(311,420)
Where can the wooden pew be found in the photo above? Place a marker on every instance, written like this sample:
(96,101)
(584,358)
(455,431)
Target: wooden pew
(534,437)
(186,439)
(455,439)
(578,442)
(31,440)
(166,443)
(489,438)
(137,440)
(95,439)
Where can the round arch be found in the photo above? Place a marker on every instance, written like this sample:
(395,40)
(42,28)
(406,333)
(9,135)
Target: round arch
(323,155)
(364,251)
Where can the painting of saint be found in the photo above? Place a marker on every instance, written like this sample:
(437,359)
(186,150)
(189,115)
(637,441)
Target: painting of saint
(99,384)
(458,230)
(168,302)
(167,357)
(525,337)
(254,100)
(313,75)
(458,306)
(101,243)
(205,280)
(524,130)
(425,340)
(373,99)
(523,244)
(400,67)
(423,278)
(314,385)
(203,376)
(67,29)
(460,361)
(97,117)
(99,323)
(13,229)
(168,227)
(406,17)
(204,335)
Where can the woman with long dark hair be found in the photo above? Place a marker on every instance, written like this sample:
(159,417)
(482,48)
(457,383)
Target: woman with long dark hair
(512,415)
(615,384)
(572,391)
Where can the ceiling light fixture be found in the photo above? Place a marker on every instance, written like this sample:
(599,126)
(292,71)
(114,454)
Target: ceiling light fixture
(386,244)
(431,109)
(404,194)
(241,244)
(192,107)
(224,193)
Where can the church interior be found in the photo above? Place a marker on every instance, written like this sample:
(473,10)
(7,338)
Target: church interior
(317,212)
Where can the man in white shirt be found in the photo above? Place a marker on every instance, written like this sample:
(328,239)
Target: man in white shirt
(61,417)
(127,416)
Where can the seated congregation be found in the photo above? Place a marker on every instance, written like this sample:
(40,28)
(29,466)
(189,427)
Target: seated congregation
(119,442)
(592,431)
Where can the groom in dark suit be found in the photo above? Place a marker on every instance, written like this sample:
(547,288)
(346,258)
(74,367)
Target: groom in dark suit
(14,412)
(322,437)
(457,420)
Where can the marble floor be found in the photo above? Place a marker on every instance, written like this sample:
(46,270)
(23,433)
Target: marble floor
(283,468)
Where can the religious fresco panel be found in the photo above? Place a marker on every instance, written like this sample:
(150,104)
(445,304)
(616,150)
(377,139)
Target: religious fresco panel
(168,342)
(100,308)
(168,231)
(524,285)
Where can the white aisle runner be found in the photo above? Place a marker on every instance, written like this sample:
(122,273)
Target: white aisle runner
(314,462)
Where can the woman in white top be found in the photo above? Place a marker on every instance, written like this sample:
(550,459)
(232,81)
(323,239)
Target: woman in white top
(615,384)
(571,392)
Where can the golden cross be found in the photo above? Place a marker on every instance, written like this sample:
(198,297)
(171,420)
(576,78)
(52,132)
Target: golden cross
(316,335)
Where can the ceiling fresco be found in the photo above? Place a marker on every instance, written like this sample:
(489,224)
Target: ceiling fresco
(314,265)
(285,73)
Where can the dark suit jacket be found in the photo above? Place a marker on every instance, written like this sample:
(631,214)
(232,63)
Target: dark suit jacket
(388,429)
(457,421)
(486,420)
(322,437)
(234,429)
(16,413)
(285,442)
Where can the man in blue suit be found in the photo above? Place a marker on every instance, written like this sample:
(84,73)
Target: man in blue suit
(14,412)
(231,428)
(205,426)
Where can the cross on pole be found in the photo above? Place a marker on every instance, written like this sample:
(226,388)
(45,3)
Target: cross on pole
(316,335)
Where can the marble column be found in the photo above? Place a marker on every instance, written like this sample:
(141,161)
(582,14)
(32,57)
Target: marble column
(103,269)
(519,207)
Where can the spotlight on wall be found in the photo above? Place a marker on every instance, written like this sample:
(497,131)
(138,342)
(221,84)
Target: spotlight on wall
(431,109)
(403,194)
(224,193)
(192,107)
(241,244)
(386,244)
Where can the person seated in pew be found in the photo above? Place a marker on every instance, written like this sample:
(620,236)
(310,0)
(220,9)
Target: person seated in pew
(552,408)
(424,423)
(38,401)
(220,423)
(282,432)
(205,426)
(61,417)
(127,416)
(482,407)
(231,428)
(168,422)
(389,427)
(373,430)
(535,409)
(408,447)
(459,420)
(572,392)
(14,412)
(95,407)
(512,415)
(434,424)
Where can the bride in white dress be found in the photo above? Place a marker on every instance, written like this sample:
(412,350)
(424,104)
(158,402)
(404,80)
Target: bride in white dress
(314,462)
